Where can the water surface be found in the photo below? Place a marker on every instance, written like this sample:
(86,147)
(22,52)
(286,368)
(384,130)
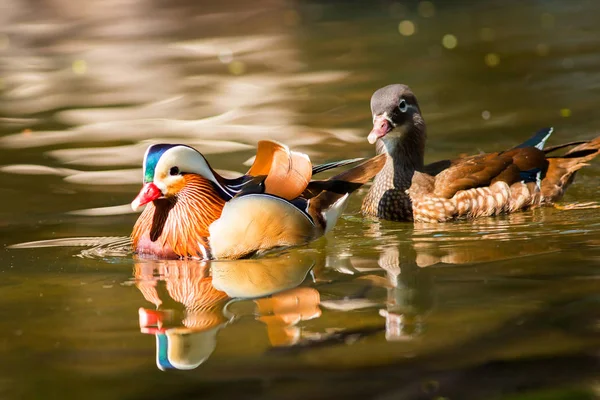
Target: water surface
(499,308)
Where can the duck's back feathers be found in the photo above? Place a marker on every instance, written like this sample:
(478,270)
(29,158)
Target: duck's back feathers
(538,140)
(255,222)
(485,169)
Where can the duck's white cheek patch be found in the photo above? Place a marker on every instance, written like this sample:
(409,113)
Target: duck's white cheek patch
(161,185)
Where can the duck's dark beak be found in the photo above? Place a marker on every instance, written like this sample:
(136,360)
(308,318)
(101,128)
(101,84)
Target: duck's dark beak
(149,192)
(381,126)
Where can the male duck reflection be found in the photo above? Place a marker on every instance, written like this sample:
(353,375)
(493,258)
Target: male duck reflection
(194,212)
(488,184)
(192,307)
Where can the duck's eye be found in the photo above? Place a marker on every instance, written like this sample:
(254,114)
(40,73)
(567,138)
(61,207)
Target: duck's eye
(402,106)
(174,171)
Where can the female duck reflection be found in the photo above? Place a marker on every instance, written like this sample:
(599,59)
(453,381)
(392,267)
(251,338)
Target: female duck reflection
(192,300)
(411,261)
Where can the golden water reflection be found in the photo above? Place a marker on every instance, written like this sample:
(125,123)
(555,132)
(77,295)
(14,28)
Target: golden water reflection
(194,300)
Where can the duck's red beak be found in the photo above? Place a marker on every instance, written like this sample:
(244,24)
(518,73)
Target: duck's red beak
(381,126)
(148,193)
(154,321)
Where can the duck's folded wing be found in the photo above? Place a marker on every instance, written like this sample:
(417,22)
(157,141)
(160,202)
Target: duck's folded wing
(287,172)
(255,223)
(436,167)
(538,140)
(482,170)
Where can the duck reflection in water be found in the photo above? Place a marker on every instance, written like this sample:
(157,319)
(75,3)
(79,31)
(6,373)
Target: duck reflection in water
(271,284)
(194,300)
(410,294)
(188,311)
(414,261)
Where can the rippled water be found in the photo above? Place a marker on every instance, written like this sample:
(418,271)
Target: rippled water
(498,308)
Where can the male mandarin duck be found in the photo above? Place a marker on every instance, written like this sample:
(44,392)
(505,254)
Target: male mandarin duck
(194,212)
(488,184)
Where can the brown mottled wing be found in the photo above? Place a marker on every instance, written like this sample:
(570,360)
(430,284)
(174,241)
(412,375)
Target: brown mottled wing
(436,167)
(470,172)
(483,170)
(288,172)
(529,158)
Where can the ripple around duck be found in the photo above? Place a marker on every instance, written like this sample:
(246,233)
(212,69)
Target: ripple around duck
(101,247)
(531,224)
(530,233)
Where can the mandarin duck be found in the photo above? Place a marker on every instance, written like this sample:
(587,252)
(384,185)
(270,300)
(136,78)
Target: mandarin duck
(482,185)
(194,212)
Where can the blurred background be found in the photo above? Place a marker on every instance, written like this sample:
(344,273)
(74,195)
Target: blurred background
(503,308)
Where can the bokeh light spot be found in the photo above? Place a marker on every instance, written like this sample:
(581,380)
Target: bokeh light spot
(79,67)
(225,56)
(486,115)
(237,67)
(565,112)
(491,59)
(449,41)
(406,28)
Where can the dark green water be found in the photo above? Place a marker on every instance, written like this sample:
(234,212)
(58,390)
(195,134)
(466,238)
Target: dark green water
(499,308)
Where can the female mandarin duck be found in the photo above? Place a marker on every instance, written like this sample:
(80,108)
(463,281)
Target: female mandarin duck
(489,184)
(194,212)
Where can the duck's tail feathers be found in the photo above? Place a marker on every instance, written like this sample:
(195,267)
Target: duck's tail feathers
(364,171)
(554,148)
(335,164)
(347,181)
(328,198)
(538,140)
(561,170)
(331,215)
